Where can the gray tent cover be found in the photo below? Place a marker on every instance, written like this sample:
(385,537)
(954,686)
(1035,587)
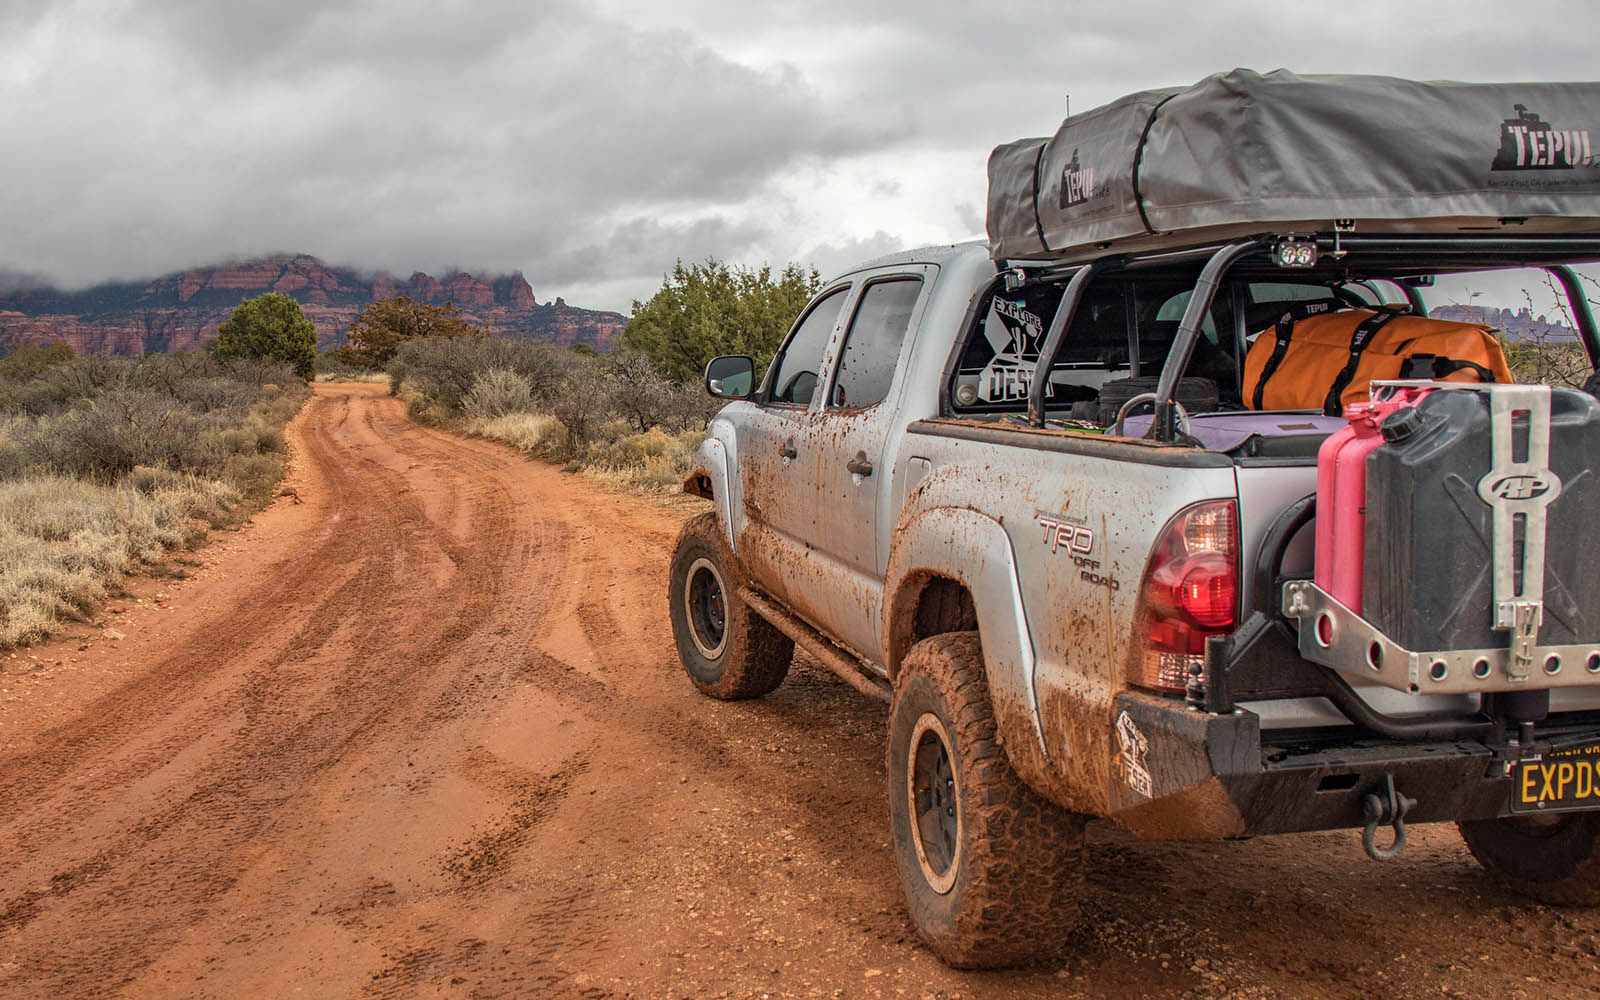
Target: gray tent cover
(1244,152)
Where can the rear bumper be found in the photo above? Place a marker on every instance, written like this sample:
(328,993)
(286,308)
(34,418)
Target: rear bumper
(1185,774)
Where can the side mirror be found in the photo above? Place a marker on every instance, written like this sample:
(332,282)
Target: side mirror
(732,376)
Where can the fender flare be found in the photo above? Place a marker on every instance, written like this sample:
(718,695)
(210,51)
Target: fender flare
(708,478)
(973,549)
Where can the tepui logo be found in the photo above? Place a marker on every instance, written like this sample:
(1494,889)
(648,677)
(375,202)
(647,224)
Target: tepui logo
(1077,182)
(1528,142)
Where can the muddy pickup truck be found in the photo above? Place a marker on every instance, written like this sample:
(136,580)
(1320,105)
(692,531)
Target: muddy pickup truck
(1026,493)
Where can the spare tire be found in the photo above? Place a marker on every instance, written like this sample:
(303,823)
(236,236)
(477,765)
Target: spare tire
(1198,395)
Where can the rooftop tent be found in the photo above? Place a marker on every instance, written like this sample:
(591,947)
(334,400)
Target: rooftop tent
(1243,152)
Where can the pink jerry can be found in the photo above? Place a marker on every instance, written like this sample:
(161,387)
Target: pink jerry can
(1342,494)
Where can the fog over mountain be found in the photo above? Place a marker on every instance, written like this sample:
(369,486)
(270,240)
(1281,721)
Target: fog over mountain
(590,145)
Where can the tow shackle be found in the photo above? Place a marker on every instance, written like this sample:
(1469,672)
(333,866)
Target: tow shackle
(1385,807)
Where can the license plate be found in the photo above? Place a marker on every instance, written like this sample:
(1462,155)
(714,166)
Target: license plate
(1560,780)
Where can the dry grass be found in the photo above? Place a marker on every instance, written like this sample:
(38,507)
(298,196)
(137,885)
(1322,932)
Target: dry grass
(375,378)
(139,457)
(64,542)
(653,462)
(538,434)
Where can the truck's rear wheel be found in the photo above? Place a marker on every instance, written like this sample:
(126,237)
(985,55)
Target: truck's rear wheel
(1554,859)
(991,870)
(729,651)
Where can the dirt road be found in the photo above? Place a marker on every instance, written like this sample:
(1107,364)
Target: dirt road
(424,734)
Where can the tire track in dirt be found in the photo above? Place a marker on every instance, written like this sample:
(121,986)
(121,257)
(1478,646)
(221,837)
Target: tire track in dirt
(281,715)
(426,734)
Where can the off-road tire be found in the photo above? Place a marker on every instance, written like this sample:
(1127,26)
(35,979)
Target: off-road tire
(1016,874)
(1553,859)
(739,656)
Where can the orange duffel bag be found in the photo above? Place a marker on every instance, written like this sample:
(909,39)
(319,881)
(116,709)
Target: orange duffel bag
(1315,357)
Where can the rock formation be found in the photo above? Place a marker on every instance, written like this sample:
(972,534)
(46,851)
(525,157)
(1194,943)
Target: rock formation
(181,311)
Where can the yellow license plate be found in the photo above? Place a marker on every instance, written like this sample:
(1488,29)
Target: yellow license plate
(1560,780)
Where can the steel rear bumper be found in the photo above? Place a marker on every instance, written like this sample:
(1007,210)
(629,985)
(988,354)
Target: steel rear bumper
(1182,774)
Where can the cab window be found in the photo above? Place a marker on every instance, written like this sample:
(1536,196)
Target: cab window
(872,344)
(794,377)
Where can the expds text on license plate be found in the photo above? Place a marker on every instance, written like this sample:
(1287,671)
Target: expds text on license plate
(1558,780)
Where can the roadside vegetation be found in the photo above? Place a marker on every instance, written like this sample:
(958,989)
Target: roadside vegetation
(1548,360)
(632,418)
(614,418)
(270,327)
(332,367)
(112,464)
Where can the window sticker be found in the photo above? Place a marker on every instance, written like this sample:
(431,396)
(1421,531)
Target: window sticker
(1015,334)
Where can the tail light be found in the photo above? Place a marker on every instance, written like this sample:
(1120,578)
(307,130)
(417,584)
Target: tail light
(1191,592)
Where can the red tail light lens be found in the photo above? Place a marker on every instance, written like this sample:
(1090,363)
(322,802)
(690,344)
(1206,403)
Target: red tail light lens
(1191,592)
(1209,591)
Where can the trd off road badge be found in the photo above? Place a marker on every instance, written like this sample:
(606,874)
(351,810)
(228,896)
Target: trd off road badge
(1074,537)
(1068,533)
(1077,183)
(1527,142)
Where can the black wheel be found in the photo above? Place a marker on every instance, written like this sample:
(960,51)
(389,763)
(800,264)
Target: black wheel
(729,651)
(1554,858)
(991,870)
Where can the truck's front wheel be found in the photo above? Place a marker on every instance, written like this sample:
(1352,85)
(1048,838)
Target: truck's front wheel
(991,870)
(729,651)
(1554,859)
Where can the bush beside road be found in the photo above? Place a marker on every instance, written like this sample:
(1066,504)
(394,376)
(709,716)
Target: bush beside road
(614,418)
(112,464)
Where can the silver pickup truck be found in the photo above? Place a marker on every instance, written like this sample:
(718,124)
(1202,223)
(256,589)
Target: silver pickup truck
(1072,624)
(1038,507)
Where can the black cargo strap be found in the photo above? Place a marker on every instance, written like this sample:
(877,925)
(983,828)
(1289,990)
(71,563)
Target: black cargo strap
(1284,331)
(1038,221)
(1360,340)
(1435,366)
(1138,163)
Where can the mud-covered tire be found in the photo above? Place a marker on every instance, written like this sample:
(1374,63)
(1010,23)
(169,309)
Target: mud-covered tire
(996,881)
(1553,859)
(729,651)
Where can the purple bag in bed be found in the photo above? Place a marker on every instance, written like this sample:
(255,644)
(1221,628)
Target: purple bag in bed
(1227,431)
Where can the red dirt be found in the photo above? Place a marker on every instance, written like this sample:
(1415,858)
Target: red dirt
(426,734)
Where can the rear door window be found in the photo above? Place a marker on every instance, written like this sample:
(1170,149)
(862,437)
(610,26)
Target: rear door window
(794,378)
(872,345)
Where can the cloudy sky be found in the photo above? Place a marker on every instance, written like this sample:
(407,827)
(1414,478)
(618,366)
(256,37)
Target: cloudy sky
(592,144)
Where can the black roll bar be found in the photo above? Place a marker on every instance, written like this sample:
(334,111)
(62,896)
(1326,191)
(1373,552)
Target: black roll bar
(1059,324)
(1164,428)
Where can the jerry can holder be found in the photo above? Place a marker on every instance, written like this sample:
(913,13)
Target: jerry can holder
(1518,488)
(1331,635)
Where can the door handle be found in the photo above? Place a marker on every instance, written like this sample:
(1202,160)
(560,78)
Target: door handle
(787,450)
(859,466)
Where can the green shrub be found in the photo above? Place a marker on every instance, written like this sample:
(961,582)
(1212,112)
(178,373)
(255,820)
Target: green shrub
(270,327)
(28,361)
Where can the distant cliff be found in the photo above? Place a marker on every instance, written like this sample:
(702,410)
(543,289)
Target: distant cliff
(1518,325)
(181,311)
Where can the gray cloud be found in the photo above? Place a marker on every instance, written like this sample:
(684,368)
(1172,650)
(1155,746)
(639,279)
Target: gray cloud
(834,257)
(593,145)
